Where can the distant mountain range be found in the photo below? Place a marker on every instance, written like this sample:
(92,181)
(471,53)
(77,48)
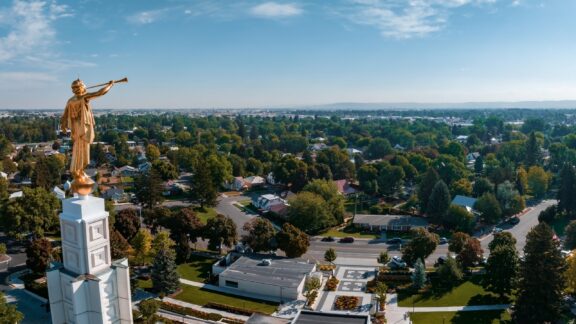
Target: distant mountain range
(561,104)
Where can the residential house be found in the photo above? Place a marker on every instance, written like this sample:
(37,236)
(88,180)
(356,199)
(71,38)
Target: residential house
(402,223)
(114,193)
(125,171)
(317,147)
(265,202)
(344,187)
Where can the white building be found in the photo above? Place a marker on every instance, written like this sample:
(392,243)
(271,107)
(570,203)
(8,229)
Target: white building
(265,202)
(88,287)
(267,279)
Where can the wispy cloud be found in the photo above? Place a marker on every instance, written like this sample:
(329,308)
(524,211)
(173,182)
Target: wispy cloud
(29,27)
(276,10)
(148,17)
(405,18)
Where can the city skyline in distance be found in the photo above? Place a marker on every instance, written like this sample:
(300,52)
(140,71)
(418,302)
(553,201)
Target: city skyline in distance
(282,54)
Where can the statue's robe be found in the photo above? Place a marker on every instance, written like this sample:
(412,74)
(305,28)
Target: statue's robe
(79,118)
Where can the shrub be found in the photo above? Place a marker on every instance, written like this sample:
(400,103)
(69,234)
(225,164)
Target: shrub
(332,284)
(189,311)
(312,298)
(326,267)
(230,309)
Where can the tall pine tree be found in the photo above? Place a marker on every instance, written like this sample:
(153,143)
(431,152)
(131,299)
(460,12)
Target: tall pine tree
(533,155)
(426,186)
(567,190)
(541,282)
(165,278)
(439,201)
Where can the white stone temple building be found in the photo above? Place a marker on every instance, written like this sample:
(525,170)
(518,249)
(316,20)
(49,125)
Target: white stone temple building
(88,288)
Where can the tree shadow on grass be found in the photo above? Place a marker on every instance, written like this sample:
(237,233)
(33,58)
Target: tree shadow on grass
(482,317)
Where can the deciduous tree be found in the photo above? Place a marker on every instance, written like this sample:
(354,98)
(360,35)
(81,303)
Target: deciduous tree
(330,255)
(502,269)
(422,245)
(489,208)
(292,241)
(8,312)
(38,255)
(457,242)
(310,212)
(149,188)
(142,244)
(471,253)
(259,234)
(220,231)
(127,223)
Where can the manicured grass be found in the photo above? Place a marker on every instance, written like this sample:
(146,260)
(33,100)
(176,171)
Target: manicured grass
(200,296)
(349,231)
(197,269)
(205,214)
(144,284)
(245,202)
(467,293)
(479,317)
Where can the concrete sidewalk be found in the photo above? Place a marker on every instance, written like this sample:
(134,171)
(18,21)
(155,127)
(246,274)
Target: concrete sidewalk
(396,314)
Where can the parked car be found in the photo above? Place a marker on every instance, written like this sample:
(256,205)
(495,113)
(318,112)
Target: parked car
(328,239)
(441,260)
(514,220)
(347,239)
(397,263)
(395,240)
(443,240)
(497,230)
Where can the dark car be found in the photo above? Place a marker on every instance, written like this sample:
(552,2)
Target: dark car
(328,239)
(514,220)
(395,240)
(347,240)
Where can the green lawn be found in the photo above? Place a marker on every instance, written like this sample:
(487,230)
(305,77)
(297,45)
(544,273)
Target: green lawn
(200,296)
(468,293)
(197,269)
(480,317)
(144,284)
(349,231)
(205,214)
(245,202)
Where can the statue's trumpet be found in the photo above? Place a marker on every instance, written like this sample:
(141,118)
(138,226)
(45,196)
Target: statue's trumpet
(103,84)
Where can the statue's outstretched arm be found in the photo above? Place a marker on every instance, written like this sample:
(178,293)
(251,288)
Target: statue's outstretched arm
(101,92)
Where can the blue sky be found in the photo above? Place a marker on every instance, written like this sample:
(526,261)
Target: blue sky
(251,53)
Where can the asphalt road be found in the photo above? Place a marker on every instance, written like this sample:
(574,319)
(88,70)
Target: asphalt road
(364,251)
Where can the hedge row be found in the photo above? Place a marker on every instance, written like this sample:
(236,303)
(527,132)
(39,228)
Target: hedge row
(191,312)
(230,309)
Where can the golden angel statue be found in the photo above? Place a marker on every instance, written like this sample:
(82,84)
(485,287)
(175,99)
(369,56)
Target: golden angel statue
(79,119)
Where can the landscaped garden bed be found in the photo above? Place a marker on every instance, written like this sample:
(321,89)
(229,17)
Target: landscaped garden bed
(347,303)
(332,284)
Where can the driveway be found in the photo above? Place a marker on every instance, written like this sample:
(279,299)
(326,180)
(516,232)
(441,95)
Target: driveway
(226,207)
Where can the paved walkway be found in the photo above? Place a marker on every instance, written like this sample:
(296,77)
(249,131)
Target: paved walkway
(353,281)
(396,314)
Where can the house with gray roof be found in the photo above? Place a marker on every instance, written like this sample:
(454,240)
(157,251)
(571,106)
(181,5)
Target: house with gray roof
(466,202)
(276,279)
(388,222)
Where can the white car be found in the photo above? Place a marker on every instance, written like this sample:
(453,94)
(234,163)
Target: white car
(397,262)
(497,230)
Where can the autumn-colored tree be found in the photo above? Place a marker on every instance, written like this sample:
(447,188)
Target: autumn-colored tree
(457,242)
(259,234)
(471,253)
(142,244)
(38,255)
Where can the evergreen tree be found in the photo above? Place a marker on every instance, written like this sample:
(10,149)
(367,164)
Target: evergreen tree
(570,234)
(541,282)
(502,239)
(419,275)
(165,278)
(533,155)
(502,269)
(449,273)
(479,165)
(567,190)
(439,201)
(426,186)
(203,190)
(292,241)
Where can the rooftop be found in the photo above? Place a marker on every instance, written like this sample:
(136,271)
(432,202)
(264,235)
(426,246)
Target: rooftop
(464,201)
(390,220)
(306,317)
(281,272)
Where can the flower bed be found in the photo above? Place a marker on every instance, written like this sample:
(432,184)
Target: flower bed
(326,267)
(347,302)
(189,311)
(332,284)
